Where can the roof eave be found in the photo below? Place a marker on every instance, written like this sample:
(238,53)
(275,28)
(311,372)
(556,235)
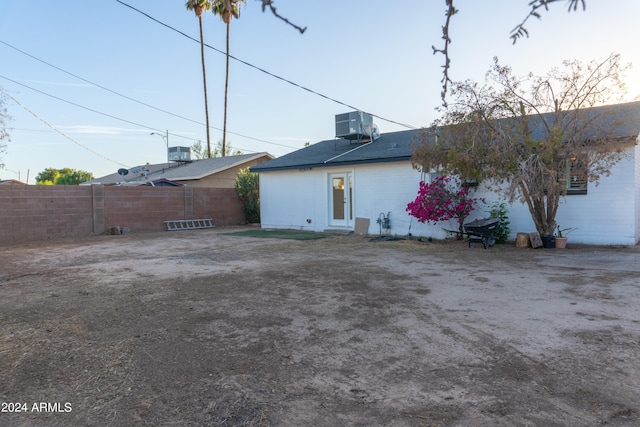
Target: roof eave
(331,164)
(221,169)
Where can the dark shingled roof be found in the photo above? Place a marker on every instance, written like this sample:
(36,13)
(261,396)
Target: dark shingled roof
(617,121)
(398,146)
(390,147)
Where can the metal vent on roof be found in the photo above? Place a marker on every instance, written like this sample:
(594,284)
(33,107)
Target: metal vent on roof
(180,154)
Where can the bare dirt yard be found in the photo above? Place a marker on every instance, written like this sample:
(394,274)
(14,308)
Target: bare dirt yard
(204,328)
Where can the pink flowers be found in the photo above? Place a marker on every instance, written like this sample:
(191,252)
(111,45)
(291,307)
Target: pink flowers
(442,200)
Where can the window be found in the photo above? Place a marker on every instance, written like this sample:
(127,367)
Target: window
(469,183)
(464,182)
(574,175)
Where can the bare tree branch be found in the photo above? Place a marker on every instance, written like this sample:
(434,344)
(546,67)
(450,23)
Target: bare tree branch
(269,4)
(520,31)
(451,10)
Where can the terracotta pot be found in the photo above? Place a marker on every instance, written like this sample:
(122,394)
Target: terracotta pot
(561,242)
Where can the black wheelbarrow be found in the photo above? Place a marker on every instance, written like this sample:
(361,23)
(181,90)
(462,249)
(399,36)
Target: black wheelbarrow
(482,231)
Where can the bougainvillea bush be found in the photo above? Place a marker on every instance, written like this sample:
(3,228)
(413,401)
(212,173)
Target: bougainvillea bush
(442,200)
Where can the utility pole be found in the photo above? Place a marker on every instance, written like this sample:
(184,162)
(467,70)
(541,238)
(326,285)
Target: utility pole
(165,137)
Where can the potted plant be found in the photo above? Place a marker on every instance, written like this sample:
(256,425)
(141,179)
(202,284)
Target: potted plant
(561,239)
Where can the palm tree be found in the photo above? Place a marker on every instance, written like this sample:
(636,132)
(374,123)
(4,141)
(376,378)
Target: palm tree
(226,10)
(199,6)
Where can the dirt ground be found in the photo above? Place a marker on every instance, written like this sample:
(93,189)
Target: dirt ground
(203,328)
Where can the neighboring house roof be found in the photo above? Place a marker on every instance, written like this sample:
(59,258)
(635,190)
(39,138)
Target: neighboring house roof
(398,146)
(11,181)
(175,172)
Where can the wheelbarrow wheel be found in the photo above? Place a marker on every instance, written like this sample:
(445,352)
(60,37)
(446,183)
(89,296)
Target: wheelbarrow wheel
(488,241)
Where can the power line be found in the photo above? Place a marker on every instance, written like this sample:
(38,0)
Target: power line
(87,108)
(59,131)
(165,111)
(263,70)
(132,99)
(97,85)
(134,123)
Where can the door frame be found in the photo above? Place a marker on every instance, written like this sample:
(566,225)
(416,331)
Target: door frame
(347,211)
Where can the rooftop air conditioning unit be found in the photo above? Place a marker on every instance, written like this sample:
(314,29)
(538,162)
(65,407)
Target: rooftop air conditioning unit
(180,154)
(354,125)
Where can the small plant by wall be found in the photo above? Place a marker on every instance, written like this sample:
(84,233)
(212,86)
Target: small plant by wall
(499,210)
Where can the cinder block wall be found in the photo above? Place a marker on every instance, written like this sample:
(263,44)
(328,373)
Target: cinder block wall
(221,204)
(36,212)
(29,212)
(143,208)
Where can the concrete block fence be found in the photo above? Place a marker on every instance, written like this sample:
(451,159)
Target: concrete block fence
(37,212)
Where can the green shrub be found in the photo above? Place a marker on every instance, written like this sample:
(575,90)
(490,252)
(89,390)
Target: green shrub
(499,210)
(248,188)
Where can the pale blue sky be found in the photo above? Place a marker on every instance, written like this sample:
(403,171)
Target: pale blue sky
(367,54)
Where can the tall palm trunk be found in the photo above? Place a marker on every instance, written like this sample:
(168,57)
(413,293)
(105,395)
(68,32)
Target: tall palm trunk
(226,9)
(204,80)
(226,96)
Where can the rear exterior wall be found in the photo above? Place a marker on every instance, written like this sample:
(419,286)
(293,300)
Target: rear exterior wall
(609,214)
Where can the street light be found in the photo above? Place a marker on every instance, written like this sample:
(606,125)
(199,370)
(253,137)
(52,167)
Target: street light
(166,140)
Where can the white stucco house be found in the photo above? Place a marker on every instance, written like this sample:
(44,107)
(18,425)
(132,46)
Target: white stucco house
(335,183)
